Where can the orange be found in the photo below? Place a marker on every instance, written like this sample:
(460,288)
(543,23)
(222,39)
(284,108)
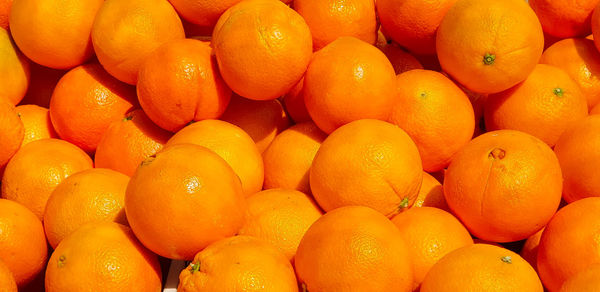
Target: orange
(5,6)
(126,32)
(84,103)
(587,280)
(431,194)
(504,185)
(92,195)
(481,267)
(14,68)
(24,249)
(544,105)
(263,48)
(489,46)
(205,202)
(102,257)
(179,83)
(331,19)
(239,263)
(42,82)
(353,248)
(577,152)
(293,101)
(128,142)
(36,122)
(280,217)
(569,243)
(54,33)
(12,132)
(368,163)
(262,120)
(232,144)
(430,234)
(435,113)
(595,110)
(7,281)
(401,60)
(595,22)
(37,168)
(529,251)
(413,24)
(290,155)
(346,81)
(566,18)
(202,12)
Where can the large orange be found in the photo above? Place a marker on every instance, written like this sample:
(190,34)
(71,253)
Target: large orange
(435,113)
(263,48)
(36,122)
(102,257)
(126,32)
(180,82)
(293,101)
(42,82)
(54,33)
(587,280)
(14,69)
(354,248)
(482,267)
(489,46)
(431,194)
(565,18)
(37,168)
(202,12)
(205,202)
(7,280)
(239,263)
(12,132)
(232,144)
(504,185)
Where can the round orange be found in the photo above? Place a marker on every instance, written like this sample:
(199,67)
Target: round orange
(431,194)
(7,281)
(587,280)
(565,18)
(529,251)
(14,68)
(293,101)
(36,122)
(401,60)
(202,12)
(12,132)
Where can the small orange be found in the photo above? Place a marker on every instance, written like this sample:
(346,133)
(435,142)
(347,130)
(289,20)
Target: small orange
(5,6)
(401,60)
(431,194)
(42,82)
(14,69)
(587,280)
(565,18)
(7,281)
(12,132)
(36,122)
(202,12)
(293,101)
(529,251)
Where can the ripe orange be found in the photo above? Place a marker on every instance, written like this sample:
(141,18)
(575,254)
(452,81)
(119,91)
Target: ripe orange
(239,263)
(504,185)
(205,201)
(5,6)
(126,32)
(102,257)
(42,82)
(431,194)
(587,280)
(353,248)
(401,60)
(293,101)
(7,281)
(566,18)
(37,168)
(202,12)
(36,122)
(14,69)
(12,132)
(435,113)
(489,46)
(595,110)
(346,81)
(529,251)
(179,83)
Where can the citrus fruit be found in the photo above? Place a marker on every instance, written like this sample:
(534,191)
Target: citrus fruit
(36,122)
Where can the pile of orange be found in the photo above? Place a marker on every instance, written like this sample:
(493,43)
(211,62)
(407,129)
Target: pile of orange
(300,145)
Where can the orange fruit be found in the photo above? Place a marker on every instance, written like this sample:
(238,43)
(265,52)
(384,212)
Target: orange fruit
(577,153)
(232,144)
(12,132)
(52,33)
(595,110)
(239,263)
(290,155)
(128,142)
(413,24)
(353,248)
(504,185)
(179,83)
(435,113)
(126,32)
(5,6)
(544,105)
(92,195)
(7,281)
(24,249)
(346,81)
(401,60)
(42,82)
(430,234)
(102,257)
(84,103)
(280,217)
(202,12)
(368,163)
(293,101)
(481,267)
(265,30)
(36,122)
(37,168)
(14,68)
(530,249)
(431,194)
(331,19)
(262,120)
(574,229)
(489,46)
(565,19)
(587,280)
(205,201)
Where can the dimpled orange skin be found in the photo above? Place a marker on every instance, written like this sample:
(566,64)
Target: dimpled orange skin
(238,263)
(504,185)
(353,248)
(482,267)
(566,18)
(36,121)
(179,83)
(431,194)
(14,69)
(584,281)
(7,281)
(346,81)
(206,201)
(263,48)
(202,12)
(126,32)
(37,168)
(103,257)
(12,132)
(489,46)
